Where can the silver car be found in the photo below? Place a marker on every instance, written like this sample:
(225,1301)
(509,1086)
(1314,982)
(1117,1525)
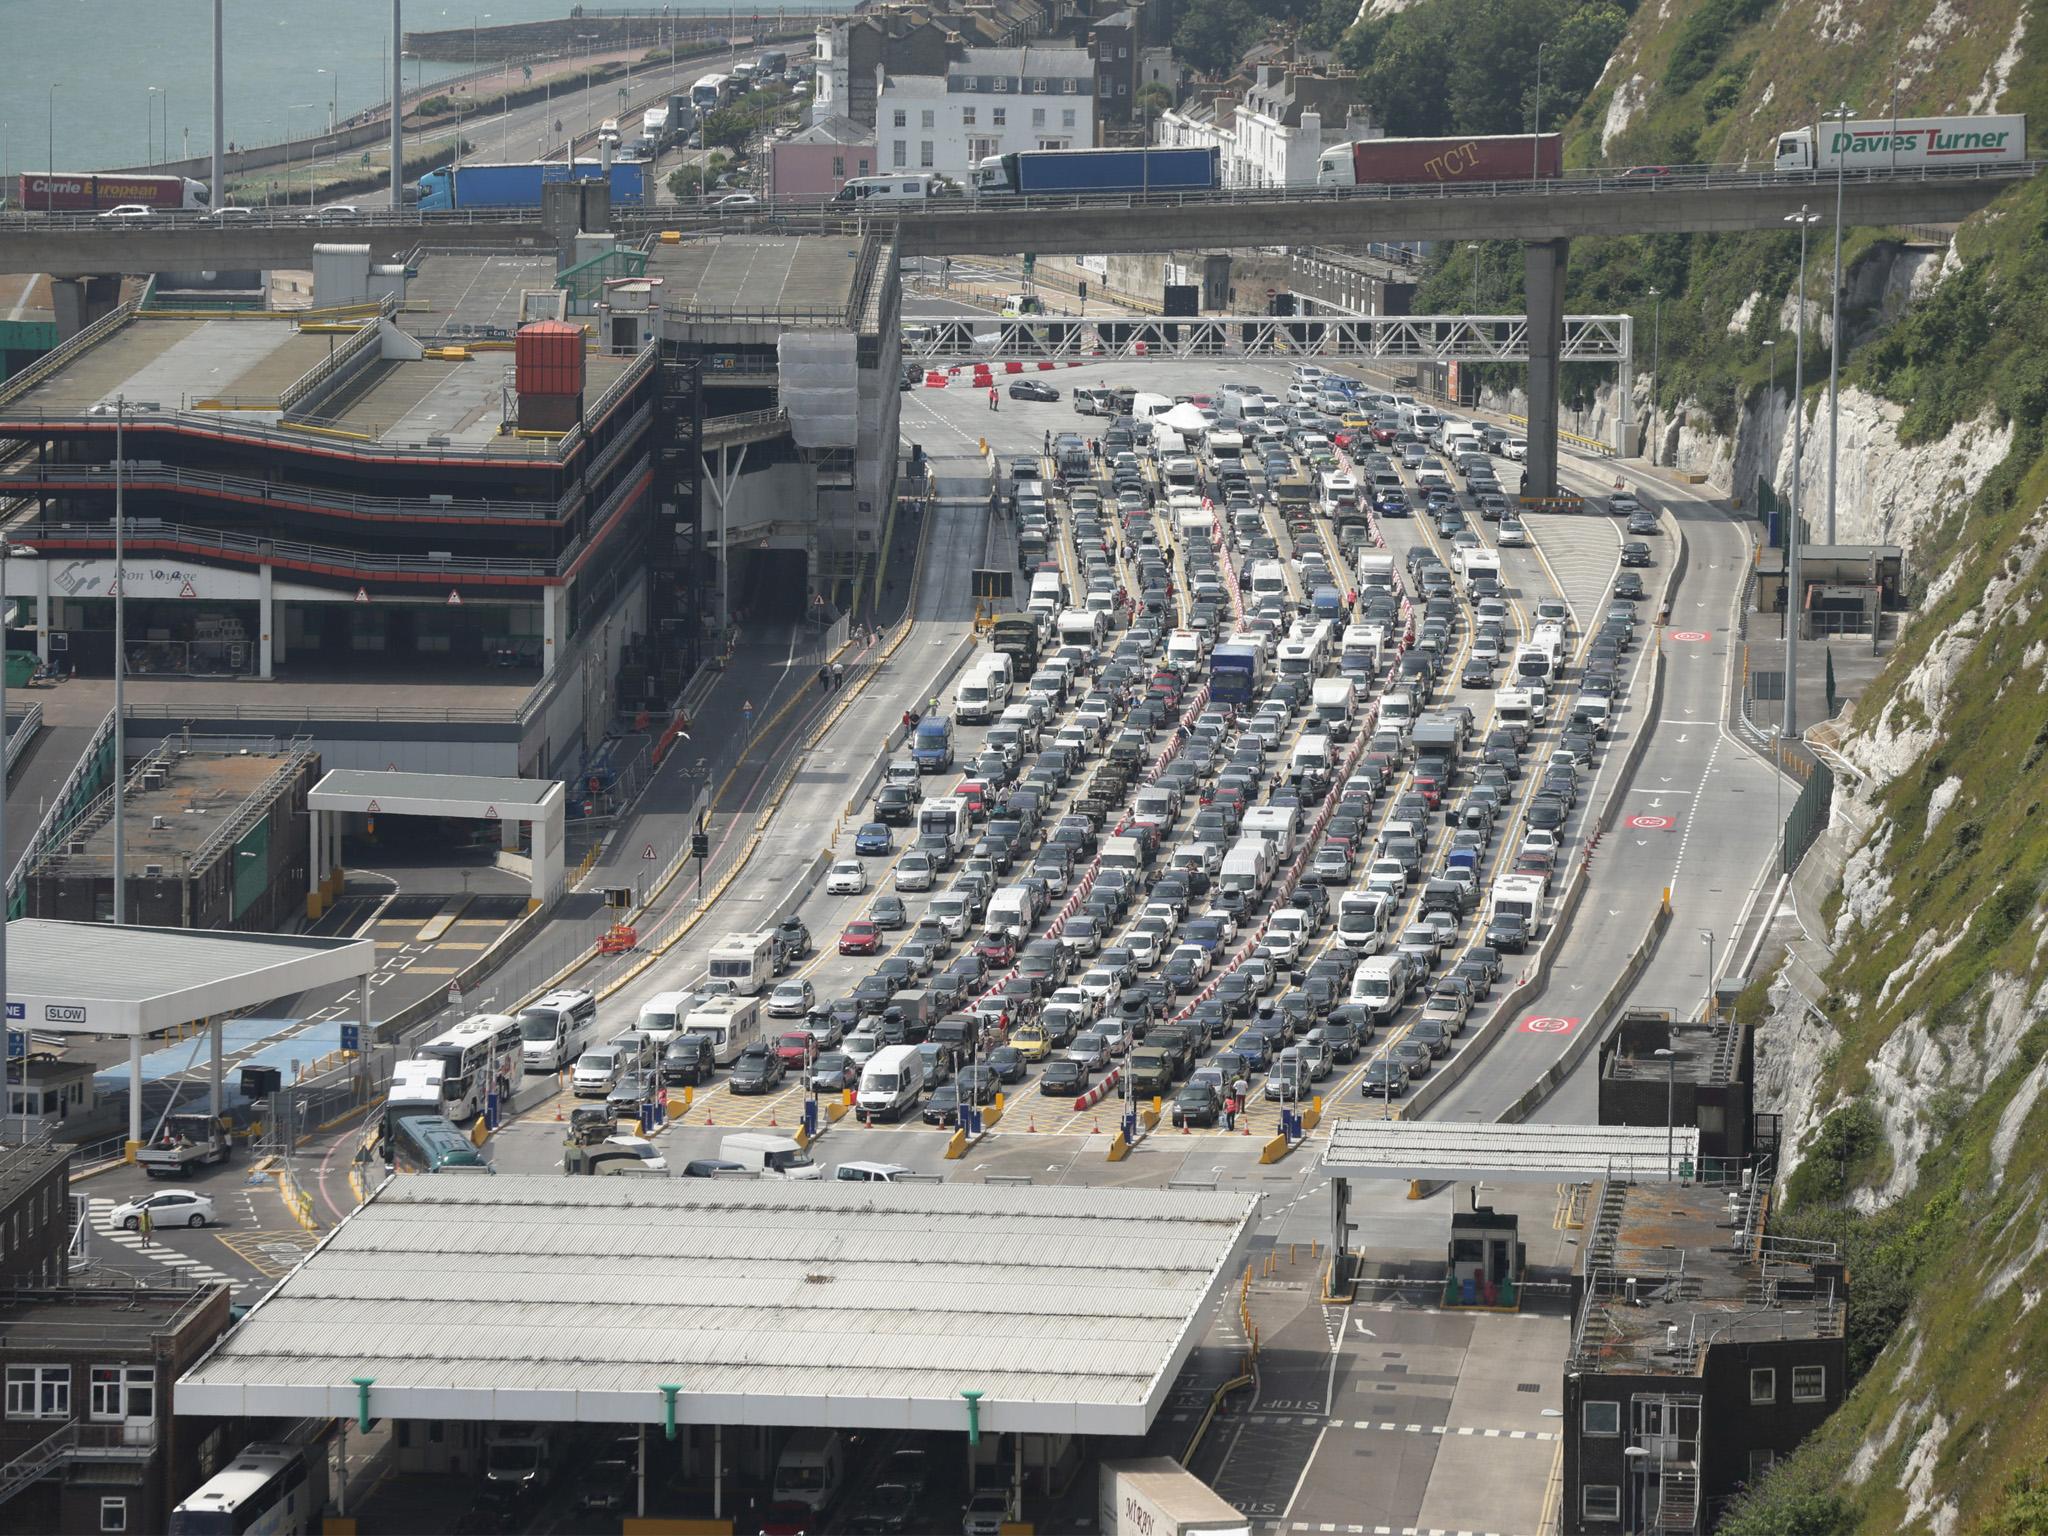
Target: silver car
(791,999)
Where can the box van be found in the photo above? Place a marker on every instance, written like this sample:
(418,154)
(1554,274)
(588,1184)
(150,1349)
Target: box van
(731,1024)
(811,1468)
(1268,576)
(1311,755)
(554,1029)
(890,1084)
(975,702)
(1047,592)
(769,1155)
(1382,984)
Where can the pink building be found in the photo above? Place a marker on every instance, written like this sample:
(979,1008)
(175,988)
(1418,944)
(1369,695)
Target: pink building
(820,160)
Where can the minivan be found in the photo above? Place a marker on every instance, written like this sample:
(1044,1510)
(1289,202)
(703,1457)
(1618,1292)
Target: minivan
(553,1030)
(891,1083)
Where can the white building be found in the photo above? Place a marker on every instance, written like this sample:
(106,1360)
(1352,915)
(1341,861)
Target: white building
(1273,135)
(992,101)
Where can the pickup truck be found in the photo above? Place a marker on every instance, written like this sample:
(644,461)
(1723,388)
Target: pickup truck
(184,1143)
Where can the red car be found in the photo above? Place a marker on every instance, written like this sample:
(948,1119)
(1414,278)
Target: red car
(797,1049)
(996,948)
(1383,435)
(860,937)
(975,793)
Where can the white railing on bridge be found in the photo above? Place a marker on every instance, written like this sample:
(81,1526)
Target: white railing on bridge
(1395,338)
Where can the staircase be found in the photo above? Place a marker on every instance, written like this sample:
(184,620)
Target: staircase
(38,1460)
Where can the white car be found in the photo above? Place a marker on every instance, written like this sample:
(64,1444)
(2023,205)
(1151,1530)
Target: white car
(648,1155)
(914,872)
(1516,448)
(174,1208)
(129,211)
(230,214)
(846,878)
(736,200)
(334,213)
(1511,535)
(791,999)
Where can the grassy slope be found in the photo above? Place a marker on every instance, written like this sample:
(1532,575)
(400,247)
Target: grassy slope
(1959,1344)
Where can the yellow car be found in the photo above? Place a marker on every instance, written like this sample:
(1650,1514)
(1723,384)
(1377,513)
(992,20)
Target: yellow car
(1030,1042)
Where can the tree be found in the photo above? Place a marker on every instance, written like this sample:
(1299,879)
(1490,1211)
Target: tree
(1153,99)
(1213,34)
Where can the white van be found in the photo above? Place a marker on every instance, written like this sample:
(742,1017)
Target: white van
(553,1030)
(731,1024)
(1268,576)
(769,1155)
(661,1016)
(811,1469)
(1013,909)
(1047,592)
(1311,755)
(890,1084)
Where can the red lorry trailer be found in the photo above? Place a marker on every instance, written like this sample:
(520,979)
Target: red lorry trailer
(97,191)
(1468,157)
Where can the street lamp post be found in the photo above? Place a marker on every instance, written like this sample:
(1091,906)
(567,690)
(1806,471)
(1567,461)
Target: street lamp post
(1473,247)
(1535,137)
(149,95)
(1670,1060)
(297,106)
(334,97)
(1707,938)
(1844,112)
(120,661)
(1770,345)
(1656,362)
(1794,533)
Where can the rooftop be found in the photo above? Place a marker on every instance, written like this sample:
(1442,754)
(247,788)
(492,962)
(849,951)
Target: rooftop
(834,130)
(180,364)
(763,276)
(82,1317)
(1507,1154)
(23,1167)
(549,1298)
(1671,1269)
(1706,1053)
(177,806)
(98,979)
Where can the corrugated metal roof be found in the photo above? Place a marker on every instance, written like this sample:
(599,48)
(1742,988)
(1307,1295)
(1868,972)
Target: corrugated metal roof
(100,979)
(1539,1154)
(840,1303)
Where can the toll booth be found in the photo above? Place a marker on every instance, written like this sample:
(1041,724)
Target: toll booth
(1486,1259)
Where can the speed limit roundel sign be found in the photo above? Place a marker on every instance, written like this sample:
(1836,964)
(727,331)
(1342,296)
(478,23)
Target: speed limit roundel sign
(1547,1024)
(1652,823)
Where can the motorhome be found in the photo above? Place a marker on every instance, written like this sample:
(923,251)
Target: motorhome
(1362,921)
(744,963)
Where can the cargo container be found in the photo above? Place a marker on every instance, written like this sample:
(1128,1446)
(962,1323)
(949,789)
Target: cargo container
(548,358)
(95,191)
(1032,172)
(518,185)
(1906,143)
(1468,157)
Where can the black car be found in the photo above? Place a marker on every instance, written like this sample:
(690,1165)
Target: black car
(889,912)
(895,805)
(1628,586)
(834,1072)
(1383,1079)
(885,1507)
(758,1070)
(1508,933)
(943,1107)
(1196,1104)
(1063,1079)
(1007,1063)
(1635,552)
(1475,674)
(793,938)
(710,1167)
(1031,389)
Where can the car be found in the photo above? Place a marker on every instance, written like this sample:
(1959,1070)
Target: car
(1511,534)
(605,1484)
(1031,1042)
(1063,1079)
(735,200)
(1197,1103)
(231,213)
(860,937)
(915,871)
(174,1208)
(834,1072)
(884,1507)
(335,213)
(1007,1063)
(633,1089)
(1644,521)
(129,211)
(986,1513)
(791,999)
(1628,586)
(1635,553)
(874,839)
(846,878)
(1476,673)
(760,1069)
(793,938)
(896,804)
(1031,389)
(943,1107)
(889,913)
(1384,1078)
(1508,933)
(1090,1050)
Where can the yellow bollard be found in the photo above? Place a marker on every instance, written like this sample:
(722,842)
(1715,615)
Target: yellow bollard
(1158,1103)
(1317,1103)
(689,1094)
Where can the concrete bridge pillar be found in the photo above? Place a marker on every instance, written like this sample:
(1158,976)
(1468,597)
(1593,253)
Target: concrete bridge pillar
(1543,266)
(79,301)
(1216,282)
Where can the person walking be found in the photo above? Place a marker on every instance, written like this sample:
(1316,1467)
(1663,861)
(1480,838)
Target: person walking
(824,679)
(838,675)
(1239,1089)
(144,1221)
(1229,1112)
(991,397)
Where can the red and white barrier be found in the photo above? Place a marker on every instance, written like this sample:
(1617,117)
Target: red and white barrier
(1095,1095)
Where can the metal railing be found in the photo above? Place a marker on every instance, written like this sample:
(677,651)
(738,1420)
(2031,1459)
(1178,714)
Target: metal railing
(58,819)
(148,474)
(19,736)
(746,426)
(253,808)
(61,354)
(146,533)
(285,713)
(336,366)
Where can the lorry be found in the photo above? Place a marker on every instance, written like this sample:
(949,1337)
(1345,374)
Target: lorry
(1235,673)
(1903,143)
(1462,157)
(769,1155)
(480,185)
(654,130)
(185,1142)
(96,191)
(1039,172)
(1018,638)
(1157,1496)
